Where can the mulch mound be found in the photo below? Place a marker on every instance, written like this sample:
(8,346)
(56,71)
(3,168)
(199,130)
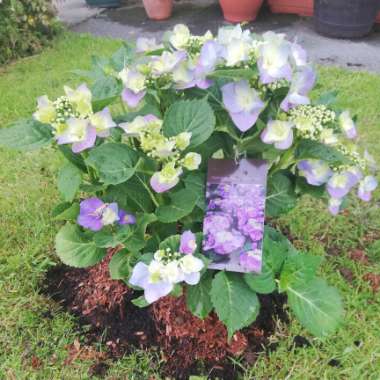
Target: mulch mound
(190,345)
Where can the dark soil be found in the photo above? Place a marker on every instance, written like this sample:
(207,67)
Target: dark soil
(190,346)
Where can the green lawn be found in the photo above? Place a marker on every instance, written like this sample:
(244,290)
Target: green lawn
(28,192)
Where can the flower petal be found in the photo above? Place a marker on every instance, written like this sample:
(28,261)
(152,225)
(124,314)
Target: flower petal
(154,292)
(131,98)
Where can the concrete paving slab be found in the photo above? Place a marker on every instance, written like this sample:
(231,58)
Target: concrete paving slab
(73,12)
(130,22)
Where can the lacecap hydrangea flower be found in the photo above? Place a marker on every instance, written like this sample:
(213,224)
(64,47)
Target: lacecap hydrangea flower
(167,269)
(73,120)
(242,103)
(95,214)
(167,150)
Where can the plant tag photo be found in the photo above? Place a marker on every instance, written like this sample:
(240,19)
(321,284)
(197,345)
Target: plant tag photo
(233,226)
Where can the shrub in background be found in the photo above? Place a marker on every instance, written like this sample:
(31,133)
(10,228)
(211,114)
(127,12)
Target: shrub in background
(25,27)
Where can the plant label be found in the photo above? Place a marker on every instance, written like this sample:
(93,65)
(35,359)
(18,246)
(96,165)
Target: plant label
(233,226)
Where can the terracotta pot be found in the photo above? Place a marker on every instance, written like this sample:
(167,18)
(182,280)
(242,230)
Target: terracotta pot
(158,9)
(300,7)
(240,10)
(378,18)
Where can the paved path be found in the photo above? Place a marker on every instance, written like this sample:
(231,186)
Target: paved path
(130,21)
(73,12)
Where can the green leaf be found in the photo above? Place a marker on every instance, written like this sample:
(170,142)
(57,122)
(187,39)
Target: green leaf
(235,303)
(198,298)
(66,211)
(105,90)
(69,180)
(281,196)
(114,162)
(74,249)
(143,221)
(132,195)
(216,142)
(26,134)
(317,306)
(111,239)
(144,110)
(262,283)
(177,291)
(122,57)
(138,240)
(119,265)
(195,182)
(310,149)
(75,158)
(299,268)
(140,302)
(328,98)
(182,204)
(234,73)
(303,187)
(92,187)
(171,242)
(195,116)
(276,248)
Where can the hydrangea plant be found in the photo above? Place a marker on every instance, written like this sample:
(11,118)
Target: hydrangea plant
(137,142)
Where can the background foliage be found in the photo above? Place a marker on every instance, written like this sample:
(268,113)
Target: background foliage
(25,27)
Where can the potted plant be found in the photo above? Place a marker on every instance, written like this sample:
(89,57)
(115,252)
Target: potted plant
(103,3)
(158,9)
(345,18)
(137,143)
(240,10)
(300,7)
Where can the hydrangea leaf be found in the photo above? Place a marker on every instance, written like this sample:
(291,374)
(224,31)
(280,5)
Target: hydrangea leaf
(172,242)
(281,197)
(111,239)
(140,302)
(215,143)
(328,98)
(234,73)
(69,180)
(298,268)
(182,203)
(26,134)
(276,247)
(310,149)
(75,158)
(76,250)
(317,306)
(198,299)
(235,303)
(119,265)
(143,221)
(114,162)
(195,181)
(262,283)
(105,90)
(123,56)
(302,187)
(138,240)
(66,211)
(132,195)
(195,116)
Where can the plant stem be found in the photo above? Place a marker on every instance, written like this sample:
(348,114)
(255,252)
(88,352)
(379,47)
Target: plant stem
(125,111)
(154,200)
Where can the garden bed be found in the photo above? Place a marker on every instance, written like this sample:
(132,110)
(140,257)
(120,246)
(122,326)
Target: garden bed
(188,344)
